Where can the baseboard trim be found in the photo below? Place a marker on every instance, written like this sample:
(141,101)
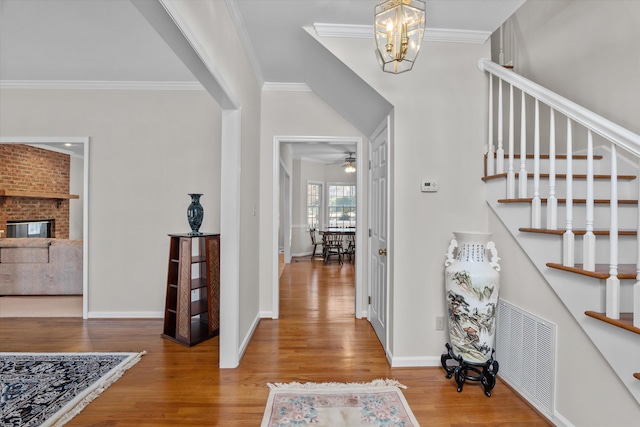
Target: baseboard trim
(248,336)
(125,315)
(415,362)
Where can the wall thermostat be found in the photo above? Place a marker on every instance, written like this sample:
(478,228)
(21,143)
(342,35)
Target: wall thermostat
(428,186)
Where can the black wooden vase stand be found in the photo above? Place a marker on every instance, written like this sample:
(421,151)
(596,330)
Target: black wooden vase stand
(484,373)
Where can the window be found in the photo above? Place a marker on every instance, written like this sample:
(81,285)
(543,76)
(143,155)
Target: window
(342,205)
(314,204)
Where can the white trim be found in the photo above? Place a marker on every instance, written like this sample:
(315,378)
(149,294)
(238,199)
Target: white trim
(415,361)
(230,239)
(360,213)
(600,125)
(125,315)
(85,200)
(247,338)
(285,87)
(98,85)
(430,34)
(245,40)
(224,95)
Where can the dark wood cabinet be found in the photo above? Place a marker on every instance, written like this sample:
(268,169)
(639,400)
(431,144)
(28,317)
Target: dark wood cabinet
(192,307)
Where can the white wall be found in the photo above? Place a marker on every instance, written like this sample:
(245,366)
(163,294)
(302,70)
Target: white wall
(287,114)
(211,24)
(439,121)
(148,150)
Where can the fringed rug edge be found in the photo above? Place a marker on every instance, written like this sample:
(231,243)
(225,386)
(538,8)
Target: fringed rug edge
(75,406)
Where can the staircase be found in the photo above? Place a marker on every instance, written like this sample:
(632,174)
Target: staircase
(573,210)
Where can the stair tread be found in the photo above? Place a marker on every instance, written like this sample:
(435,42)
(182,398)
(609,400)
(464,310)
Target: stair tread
(625,271)
(577,232)
(563,176)
(625,321)
(558,156)
(577,201)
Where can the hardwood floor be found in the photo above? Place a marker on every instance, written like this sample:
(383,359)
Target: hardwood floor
(316,339)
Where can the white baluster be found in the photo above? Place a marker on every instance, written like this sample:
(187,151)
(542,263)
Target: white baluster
(589,241)
(568,238)
(500,150)
(491,168)
(511,175)
(552,201)
(613,283)
(636,287)
(522,175)
(536,203)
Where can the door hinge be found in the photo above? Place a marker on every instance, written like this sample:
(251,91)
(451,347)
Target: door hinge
(369,232)
(369,164)
(369,300)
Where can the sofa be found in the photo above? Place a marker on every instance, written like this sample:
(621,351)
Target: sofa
(40,266)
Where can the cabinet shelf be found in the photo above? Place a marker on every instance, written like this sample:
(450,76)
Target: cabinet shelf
(192,304)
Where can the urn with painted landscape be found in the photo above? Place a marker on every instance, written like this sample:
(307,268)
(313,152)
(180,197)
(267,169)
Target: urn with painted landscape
(472,283)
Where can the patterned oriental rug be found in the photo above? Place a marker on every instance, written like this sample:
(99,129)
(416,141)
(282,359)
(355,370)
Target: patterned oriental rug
(376,404)
(48,389)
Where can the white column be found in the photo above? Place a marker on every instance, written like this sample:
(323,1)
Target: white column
(552,201)
(511,175)
(589,241)
(491,166)
(522,175)
(613,283)
(568,238)
(536,203)
(500,150)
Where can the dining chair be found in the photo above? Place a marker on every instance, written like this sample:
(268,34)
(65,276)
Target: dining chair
(333,246)
(314,242)
(350,250)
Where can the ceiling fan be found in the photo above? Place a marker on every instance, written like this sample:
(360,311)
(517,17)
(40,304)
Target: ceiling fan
(350,164)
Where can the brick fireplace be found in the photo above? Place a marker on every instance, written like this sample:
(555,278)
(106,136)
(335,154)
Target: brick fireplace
(34,179)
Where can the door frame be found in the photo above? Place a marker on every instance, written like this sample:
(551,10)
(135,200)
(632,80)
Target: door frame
(361,240)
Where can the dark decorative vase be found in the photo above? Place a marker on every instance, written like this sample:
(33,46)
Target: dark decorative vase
(195,213)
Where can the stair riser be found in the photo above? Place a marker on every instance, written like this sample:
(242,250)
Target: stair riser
(601,189)
(627,216)
(627,249)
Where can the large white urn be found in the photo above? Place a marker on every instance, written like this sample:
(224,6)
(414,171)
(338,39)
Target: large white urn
(472,283)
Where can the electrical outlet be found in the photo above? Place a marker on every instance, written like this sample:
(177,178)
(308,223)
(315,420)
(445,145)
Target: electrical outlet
(439,323)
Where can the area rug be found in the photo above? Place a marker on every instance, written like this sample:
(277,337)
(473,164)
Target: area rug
(48,389)
(379,403)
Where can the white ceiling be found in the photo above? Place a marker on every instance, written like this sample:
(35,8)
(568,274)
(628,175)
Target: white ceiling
(46,41)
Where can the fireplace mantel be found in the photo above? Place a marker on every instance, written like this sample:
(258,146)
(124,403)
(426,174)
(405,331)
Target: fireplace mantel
(58,197)
(36,195)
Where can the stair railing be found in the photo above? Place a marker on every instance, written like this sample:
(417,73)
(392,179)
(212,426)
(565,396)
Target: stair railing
(616,135)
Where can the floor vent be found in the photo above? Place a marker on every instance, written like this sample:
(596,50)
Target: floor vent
(525,350)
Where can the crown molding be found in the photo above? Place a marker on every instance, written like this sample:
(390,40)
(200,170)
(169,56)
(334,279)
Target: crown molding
(99,85)
(285,87)
(430,34)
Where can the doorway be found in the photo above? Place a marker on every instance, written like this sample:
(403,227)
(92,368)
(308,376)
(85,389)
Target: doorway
(360,305)
(78,149)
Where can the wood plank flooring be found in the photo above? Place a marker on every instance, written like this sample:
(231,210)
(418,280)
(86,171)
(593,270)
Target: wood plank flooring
(316,339)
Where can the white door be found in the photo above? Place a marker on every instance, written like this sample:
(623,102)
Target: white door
(378,187)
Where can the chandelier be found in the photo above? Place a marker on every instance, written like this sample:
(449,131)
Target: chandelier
(399,28)
(350,164)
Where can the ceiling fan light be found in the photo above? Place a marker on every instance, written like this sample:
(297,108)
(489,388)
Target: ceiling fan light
(399,29)
(350,168)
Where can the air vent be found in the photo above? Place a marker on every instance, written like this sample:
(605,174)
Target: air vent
(525,350)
